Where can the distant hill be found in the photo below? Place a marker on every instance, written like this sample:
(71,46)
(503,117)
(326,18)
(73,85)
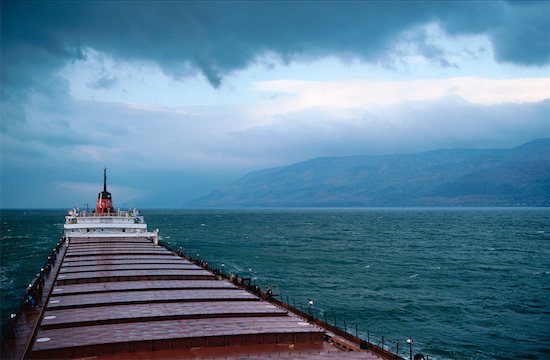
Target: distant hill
(457,177)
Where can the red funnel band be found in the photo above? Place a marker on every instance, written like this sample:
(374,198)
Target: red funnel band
(104,203)
(104,206)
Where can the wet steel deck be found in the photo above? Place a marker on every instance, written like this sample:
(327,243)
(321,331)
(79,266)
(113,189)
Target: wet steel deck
(126,298)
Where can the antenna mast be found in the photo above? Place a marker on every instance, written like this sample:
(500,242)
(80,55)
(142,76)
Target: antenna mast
(105,179)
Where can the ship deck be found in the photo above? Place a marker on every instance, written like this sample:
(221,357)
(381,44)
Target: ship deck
(130,298)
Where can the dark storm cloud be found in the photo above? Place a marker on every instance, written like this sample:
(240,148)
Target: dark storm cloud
(219,37)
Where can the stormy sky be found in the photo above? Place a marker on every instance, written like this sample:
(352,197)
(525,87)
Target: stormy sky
(178,98)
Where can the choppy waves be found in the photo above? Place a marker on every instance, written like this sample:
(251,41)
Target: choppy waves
(465,284)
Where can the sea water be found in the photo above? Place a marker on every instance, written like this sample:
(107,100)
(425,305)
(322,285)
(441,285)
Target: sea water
(463,283)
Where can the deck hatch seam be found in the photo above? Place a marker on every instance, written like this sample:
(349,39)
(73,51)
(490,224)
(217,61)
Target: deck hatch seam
(160,301)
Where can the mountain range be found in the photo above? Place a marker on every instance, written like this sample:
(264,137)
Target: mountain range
(519,176)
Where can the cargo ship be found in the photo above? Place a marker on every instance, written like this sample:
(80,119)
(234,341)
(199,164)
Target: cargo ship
(111,290)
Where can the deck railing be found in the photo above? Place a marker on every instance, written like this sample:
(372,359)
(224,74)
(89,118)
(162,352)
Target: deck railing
(22,323)
(90,213)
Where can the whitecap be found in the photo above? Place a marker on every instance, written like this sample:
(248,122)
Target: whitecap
(413,276)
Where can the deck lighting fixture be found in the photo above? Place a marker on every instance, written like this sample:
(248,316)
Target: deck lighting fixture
(410,342)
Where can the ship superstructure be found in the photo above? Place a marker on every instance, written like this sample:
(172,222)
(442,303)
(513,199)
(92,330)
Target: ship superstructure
(119,224)
(105,222)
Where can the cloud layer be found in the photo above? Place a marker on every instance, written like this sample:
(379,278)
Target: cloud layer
(200,92)
(220,37)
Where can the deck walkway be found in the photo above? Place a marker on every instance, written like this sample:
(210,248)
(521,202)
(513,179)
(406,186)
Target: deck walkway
(129,297)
